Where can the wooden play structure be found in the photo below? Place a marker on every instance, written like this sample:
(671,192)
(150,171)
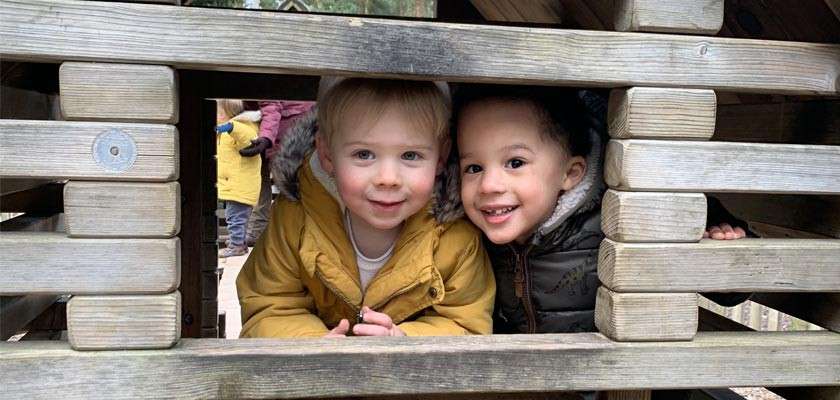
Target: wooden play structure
(690,114)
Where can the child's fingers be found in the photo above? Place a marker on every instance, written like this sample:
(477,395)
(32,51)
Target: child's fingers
(377,318)
(740,232)
(716,233)
(706,234)
(370,330)
(340,330)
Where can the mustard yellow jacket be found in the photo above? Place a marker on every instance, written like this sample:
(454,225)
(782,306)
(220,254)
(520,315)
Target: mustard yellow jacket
(301,279)
(238,178)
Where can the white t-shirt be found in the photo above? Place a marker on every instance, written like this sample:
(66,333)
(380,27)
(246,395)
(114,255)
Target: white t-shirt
(368,267)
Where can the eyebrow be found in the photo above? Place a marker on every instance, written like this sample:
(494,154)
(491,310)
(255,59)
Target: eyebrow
(506,149)
(407,146)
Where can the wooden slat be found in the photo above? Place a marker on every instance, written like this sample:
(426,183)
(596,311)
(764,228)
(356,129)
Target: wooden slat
(745,265)
(124,322)
(658,165)
(662,113)
(136,33)
(118,92)
(536,11)
(70,151)
(653,217)
(817,214)
(49,263)
(209,368)
(122,209)
(822,309)
(677,16)
(646,316)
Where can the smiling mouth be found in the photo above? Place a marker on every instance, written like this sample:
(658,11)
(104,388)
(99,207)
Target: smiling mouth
(387,204)
(495,212)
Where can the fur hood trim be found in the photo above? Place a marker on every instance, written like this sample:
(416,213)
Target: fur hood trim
(299,143)
(583,197)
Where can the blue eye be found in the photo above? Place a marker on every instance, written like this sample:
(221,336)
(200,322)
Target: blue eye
(514,163)
(411,156)
(364,155)
(472,169)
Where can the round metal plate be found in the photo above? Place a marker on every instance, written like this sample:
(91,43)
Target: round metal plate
(114,150)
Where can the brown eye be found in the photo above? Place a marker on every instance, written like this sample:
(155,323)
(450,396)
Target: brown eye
(472,169)
(514,163)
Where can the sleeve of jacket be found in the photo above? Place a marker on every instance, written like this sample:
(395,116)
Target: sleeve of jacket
(243,133)
(271,116)
(273,299)
(470,292)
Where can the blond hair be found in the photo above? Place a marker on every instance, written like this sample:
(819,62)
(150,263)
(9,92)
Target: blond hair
(427,106)
(230,107)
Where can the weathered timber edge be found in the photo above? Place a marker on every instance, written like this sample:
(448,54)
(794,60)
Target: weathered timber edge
(265,368)
(141,33)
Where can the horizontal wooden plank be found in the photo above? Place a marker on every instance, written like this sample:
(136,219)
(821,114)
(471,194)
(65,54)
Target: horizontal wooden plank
(122,209)
(682,166)
(646,316)
(118,92)
(662,113)
(50,263)
(817,214)
(745,265)
(124,322)
(209,368)
(135,33)
(676,16)
(653,217)
(821,309)
(88,150)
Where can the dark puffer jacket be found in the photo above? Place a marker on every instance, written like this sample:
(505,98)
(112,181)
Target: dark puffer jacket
(549,285)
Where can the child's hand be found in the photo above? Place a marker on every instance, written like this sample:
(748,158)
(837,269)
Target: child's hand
(340,330)
(227,127)
(376,324)
(724,231)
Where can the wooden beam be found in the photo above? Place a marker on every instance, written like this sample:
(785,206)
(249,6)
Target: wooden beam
(49,263)
(817,214)
(653,217)
(821,309)
(657,165)
(535,11)
(137,33)
(124,322)
(118,92)
(122,209)
(745,265)
(88,150)
(498,363)
(634,317)
(669,16)
(661,113)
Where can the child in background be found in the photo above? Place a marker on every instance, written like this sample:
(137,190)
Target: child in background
(370,232)
(531,180)
(238,178)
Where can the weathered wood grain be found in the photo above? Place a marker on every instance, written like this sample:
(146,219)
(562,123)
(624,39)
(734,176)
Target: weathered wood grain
(124,322)
(122,209)
(646,316)
(653,217)
(65,149)
(745,265)
(821,309)
(50,263)
(681,166)
(662,113)
(210,368)
(674,16)
(817,214)
(118,92)
(137,33)
(535,11)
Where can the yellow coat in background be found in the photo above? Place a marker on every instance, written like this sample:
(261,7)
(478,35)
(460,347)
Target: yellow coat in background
(301,279)
(238,178)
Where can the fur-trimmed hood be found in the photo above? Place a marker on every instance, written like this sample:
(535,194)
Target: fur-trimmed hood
(299,143)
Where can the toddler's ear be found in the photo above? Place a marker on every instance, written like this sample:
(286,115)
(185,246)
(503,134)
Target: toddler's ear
(445,148)
(575,170)
(324,156)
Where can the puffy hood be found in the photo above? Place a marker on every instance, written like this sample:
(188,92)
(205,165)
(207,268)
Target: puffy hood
(299,143)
